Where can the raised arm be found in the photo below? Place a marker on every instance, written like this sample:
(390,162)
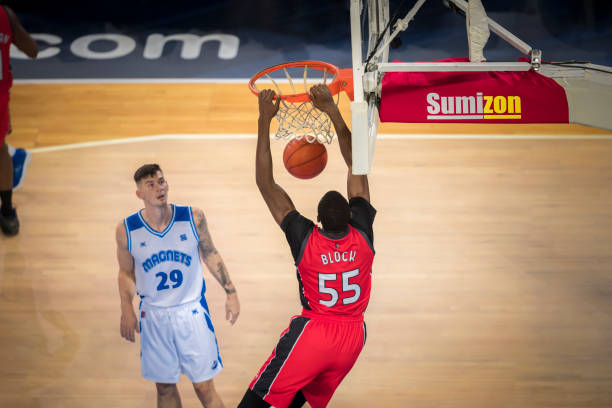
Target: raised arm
(278,201)
(127,285)
(21,38)
(356,185)
(216,266)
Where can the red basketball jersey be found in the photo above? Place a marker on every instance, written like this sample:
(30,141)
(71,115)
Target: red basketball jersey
(336,274)
(6,38)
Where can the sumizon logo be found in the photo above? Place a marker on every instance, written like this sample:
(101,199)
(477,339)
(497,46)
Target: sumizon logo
(473,107)
(120,45)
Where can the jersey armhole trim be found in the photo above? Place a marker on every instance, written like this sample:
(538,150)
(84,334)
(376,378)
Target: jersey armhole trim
(303,247)
(127,233)
(192,223)
(365,236)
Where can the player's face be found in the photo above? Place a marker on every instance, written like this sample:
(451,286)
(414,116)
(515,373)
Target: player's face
(154,190)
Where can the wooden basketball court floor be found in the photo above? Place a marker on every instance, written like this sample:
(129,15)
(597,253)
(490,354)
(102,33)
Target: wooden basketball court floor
(492,283)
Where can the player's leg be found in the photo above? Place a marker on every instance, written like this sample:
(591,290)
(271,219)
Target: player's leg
(198,351)
(20,157)
(348,341)
(291,366)
(6,168)
(320,391)
(168,396)
(207,394)
(298,401)
(252,400)
(8,216)
(196,343)
(158,356)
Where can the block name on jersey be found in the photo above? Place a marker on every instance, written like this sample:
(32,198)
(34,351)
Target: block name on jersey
(167,255)
(337,256)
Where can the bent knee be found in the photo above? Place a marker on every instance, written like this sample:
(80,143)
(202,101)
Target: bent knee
(205,389)
(252,400)
(165,389)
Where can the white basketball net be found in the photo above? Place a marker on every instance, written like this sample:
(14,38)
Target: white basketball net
(297,120)
(303,120)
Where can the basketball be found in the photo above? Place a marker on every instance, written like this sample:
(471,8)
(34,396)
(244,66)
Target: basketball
(304,160)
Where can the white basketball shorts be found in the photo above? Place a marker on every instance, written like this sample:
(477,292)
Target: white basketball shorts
(178,339)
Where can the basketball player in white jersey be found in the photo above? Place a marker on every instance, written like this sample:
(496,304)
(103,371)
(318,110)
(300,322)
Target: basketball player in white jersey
(159,250)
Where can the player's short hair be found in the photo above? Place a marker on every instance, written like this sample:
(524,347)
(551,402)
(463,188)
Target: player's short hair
(147,170)
(334,212)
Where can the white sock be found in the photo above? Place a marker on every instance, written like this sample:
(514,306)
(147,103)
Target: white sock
(11,150)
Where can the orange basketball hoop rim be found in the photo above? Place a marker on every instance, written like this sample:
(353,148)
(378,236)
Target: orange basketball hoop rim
(342,79)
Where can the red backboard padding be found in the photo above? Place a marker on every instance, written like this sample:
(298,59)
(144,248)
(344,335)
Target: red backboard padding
(472,97)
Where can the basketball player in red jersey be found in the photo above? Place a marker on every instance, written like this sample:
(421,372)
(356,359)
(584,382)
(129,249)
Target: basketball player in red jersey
(11,31)
(334,267)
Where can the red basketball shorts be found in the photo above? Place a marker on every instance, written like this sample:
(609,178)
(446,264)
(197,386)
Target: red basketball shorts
(313,354)
(5,118)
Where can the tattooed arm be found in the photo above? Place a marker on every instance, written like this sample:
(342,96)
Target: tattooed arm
(216,266)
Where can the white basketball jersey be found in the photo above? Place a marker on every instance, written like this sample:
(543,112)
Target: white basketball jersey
(167,264)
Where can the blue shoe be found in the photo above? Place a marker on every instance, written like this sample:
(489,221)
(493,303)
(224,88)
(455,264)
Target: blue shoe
(21,159)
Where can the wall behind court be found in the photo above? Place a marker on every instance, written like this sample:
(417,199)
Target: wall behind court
(236,38)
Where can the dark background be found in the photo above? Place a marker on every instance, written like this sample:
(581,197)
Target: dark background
(275,31)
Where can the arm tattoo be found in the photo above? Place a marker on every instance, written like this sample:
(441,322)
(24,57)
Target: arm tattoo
(207,249)
(206,245)
(224,279)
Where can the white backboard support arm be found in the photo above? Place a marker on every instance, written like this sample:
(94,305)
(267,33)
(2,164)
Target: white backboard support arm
(366,82)
(359,118)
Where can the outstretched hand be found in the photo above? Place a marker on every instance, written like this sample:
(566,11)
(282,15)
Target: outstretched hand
(267,108)
(321,98)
